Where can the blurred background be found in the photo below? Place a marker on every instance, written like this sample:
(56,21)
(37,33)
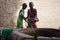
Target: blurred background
(48,12)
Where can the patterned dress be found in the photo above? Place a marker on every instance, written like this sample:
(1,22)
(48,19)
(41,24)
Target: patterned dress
(32,14)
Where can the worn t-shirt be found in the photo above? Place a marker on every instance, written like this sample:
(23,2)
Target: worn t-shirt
(20,19)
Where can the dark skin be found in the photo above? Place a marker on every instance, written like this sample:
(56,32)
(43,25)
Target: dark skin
(24,6)
(31,6)
(32,11)
(21,16)
(32,24)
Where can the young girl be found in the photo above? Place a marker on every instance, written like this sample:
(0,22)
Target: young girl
(32,16)
(21,16)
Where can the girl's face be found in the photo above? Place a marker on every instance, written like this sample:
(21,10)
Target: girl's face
(31,5)
(24,6)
